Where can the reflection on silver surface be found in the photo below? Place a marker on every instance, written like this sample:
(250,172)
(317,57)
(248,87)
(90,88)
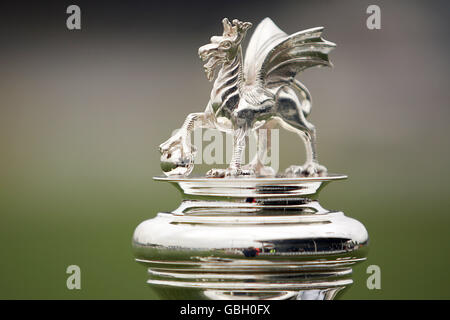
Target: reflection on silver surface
(250,238)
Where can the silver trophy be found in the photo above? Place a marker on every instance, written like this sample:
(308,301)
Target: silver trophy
(247,232)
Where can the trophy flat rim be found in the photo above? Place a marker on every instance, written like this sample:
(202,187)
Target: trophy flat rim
(330,177)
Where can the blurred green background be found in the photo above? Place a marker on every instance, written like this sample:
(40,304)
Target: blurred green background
(82,113)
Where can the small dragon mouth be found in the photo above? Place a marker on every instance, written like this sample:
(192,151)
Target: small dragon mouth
(214,58)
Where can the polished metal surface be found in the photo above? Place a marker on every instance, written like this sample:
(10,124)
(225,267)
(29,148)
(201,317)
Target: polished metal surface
(260,93)
(258,187)
(247,232)
(250,238)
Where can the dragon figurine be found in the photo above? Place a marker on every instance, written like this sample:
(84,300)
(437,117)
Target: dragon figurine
(258,94)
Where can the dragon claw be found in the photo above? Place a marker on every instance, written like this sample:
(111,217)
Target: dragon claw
(229,172)
(312,169)
(259,169)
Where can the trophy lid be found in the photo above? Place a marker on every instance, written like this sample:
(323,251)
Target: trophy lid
(251,187)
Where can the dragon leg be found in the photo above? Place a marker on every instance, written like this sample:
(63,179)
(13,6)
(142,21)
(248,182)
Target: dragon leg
(291,116)
(263,140)
(183,136)
(235,168)
(307,132)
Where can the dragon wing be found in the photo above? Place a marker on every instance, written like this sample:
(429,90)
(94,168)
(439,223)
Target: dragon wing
(266,36)
(274,56)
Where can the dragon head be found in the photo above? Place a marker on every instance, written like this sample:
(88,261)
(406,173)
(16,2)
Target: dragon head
(223,48)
